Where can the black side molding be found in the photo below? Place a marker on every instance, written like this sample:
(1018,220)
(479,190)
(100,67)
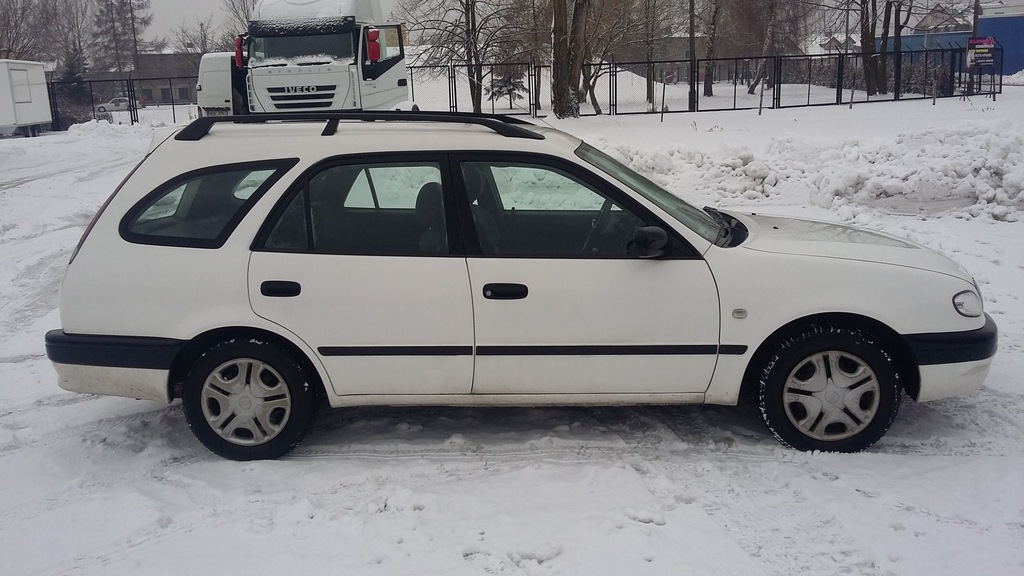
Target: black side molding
(955,347)
(112,351)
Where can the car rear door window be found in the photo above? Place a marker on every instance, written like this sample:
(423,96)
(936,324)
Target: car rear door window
(387,209)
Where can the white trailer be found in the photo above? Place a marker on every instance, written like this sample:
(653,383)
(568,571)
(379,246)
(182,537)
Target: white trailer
(24,102)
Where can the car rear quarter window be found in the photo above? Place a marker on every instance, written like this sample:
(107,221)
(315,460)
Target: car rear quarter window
(200,209)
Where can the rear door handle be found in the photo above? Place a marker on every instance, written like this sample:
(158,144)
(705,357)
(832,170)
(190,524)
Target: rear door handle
(280,289)
(505,291)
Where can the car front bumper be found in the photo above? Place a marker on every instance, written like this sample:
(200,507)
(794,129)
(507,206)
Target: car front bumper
(128,366)
(953,363)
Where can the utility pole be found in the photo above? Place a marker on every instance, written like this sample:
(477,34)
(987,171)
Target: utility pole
(693,64)
(135,37)
(974,34)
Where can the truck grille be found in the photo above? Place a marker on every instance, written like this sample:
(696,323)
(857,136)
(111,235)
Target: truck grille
(283,99)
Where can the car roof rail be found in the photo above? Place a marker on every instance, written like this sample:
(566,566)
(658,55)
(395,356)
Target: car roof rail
(507,126)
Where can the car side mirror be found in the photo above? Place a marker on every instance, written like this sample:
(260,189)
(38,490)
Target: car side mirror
(648,242)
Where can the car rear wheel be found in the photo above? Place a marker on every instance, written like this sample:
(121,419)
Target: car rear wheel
(248,400)
(831,389)
(101,109)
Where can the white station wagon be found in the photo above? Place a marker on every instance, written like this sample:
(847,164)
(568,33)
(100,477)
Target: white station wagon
(257,267)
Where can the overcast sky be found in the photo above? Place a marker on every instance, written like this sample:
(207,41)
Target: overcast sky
(169,14)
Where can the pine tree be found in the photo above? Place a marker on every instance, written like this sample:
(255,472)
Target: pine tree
(119,25)
(72,76)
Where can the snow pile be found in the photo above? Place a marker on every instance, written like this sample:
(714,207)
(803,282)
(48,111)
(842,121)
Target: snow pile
(102,129)
(976,168)
(1014,80)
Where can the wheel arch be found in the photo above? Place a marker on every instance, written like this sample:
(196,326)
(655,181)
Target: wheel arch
(906,362)
(195,347)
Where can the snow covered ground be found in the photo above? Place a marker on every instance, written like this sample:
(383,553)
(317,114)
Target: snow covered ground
(96,485)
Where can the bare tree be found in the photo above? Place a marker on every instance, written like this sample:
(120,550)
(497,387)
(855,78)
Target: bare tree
(198,39)
(464,32)
(652,22)
(22,30)
(563,99)
(238,13)
(605,29)
(71,22)
(711,18)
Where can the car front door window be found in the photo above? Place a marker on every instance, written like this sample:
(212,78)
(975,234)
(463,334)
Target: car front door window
(536,210)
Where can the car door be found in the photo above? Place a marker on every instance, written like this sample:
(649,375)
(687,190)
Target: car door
(561,305)
(359,262)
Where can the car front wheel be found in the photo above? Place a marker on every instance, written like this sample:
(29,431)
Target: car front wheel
(831,389)
(248,400)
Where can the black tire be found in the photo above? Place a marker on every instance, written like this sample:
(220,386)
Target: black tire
(101,109)
(830,388)
(248,400)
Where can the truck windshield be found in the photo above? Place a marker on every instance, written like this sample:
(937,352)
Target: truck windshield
(301,50)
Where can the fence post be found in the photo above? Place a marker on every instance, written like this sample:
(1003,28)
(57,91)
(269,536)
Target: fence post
(777,97)
(839,79)
(133,106)
(453,89)
(612,80)
(897,76)
(51,92)
(174,112)
(92,102)
(953,58)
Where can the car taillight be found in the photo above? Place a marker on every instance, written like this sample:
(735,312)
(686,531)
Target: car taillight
(100,212)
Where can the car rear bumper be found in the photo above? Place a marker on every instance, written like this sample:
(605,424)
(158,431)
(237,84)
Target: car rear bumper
(129,366)
(953,363)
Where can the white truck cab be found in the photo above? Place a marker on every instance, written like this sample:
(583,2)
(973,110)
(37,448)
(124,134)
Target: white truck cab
(316,55)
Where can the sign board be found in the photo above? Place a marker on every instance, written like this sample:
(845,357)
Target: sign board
(980,51)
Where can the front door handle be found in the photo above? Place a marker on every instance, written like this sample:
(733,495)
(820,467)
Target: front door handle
(280,289)
(505,291)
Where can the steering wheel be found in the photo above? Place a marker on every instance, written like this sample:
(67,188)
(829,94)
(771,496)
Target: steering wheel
(599,224)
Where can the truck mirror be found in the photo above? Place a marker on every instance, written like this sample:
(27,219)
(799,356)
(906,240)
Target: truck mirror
(238,52)
(373,45)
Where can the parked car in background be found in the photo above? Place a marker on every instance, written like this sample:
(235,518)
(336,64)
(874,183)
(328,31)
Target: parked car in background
(257,267)
(116,105)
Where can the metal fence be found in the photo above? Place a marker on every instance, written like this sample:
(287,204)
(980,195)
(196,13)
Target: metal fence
(523,88)
(155,99)
(721,83)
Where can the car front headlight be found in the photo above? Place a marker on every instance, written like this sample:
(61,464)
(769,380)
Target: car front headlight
(968,303)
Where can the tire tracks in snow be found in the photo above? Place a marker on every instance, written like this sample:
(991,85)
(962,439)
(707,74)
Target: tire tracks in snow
(81,430)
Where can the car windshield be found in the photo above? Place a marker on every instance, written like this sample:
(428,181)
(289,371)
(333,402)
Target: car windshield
(313,49)
(693,218)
